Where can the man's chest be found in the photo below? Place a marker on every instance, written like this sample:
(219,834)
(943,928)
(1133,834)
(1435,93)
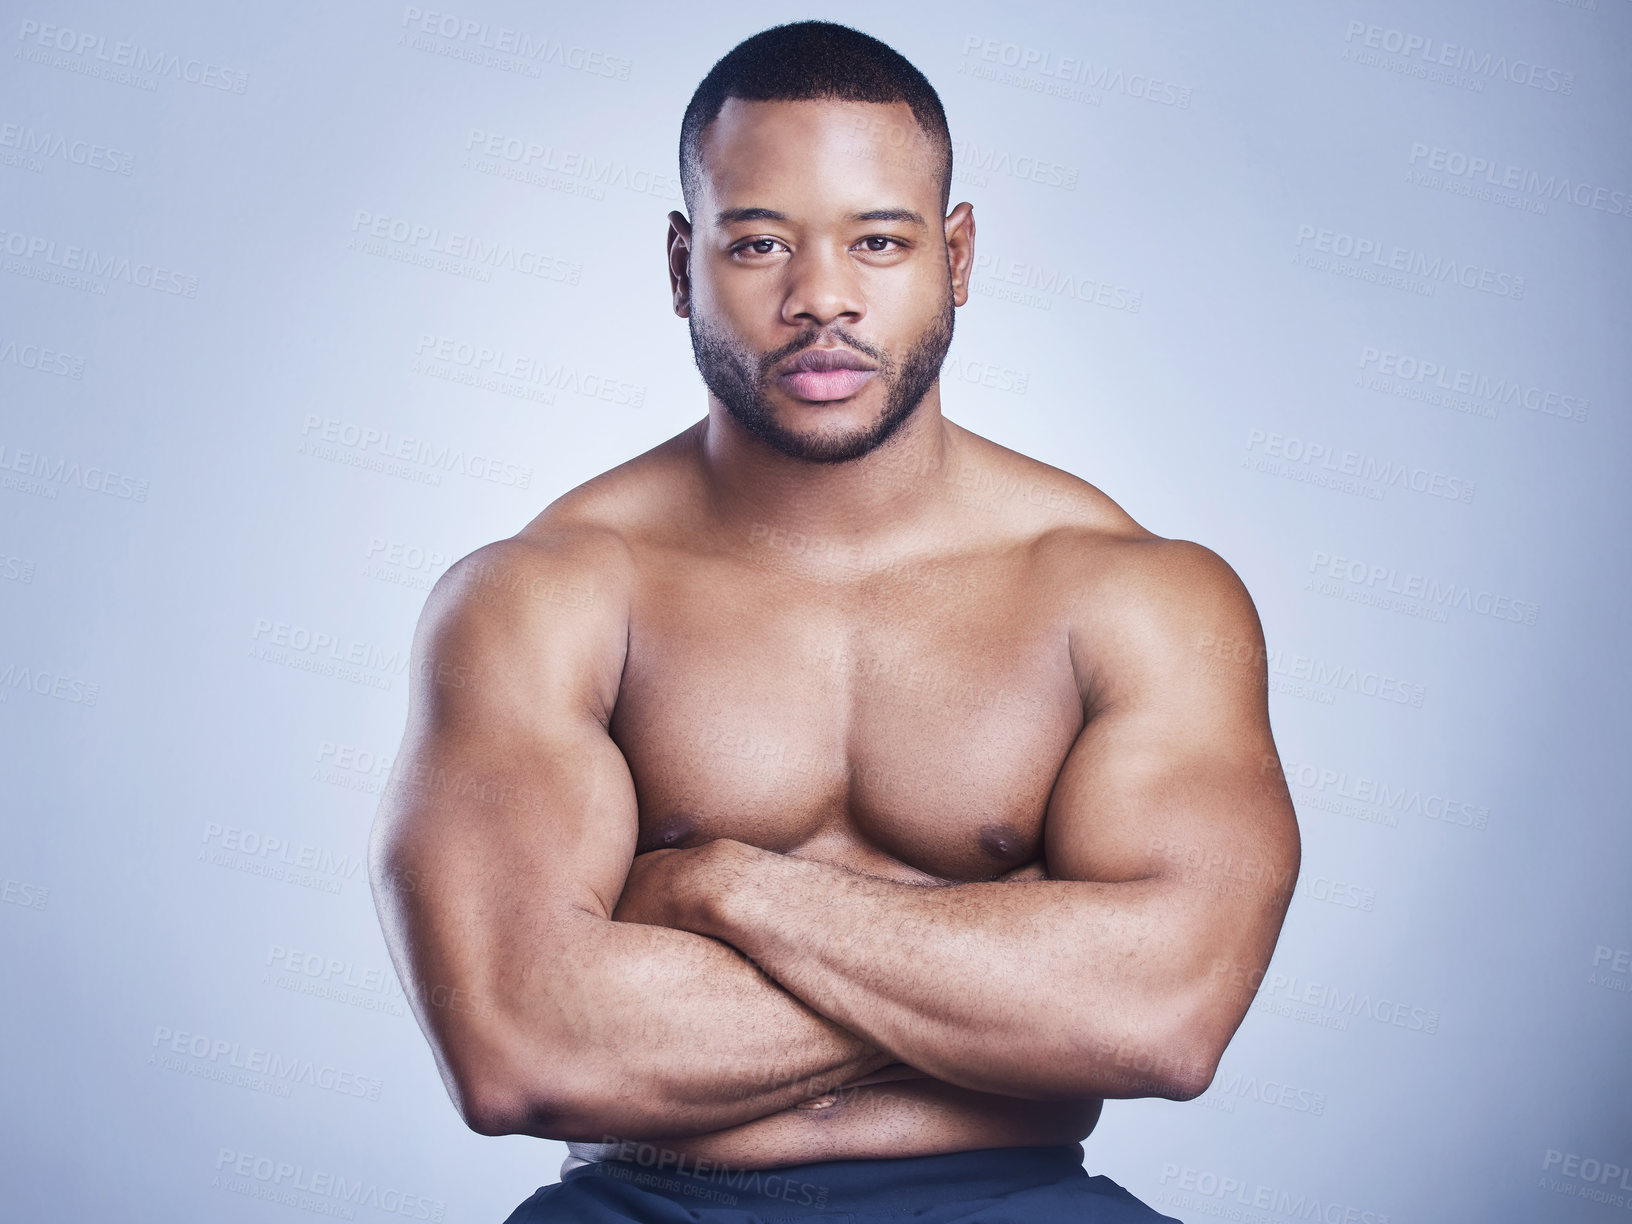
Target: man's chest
(896,726)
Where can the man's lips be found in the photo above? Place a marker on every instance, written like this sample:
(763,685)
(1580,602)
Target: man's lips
(820,375)
(821,385)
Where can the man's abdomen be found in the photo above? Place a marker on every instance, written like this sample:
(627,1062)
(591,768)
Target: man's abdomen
(918,1117)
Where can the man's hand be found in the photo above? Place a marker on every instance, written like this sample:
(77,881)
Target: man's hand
(682,889)
(1030,871)
(676,888)
(679,888)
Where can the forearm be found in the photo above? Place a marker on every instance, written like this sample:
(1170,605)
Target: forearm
(642,1032)
(1033,989)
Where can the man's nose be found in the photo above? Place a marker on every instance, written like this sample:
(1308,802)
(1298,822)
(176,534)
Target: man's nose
(822,288)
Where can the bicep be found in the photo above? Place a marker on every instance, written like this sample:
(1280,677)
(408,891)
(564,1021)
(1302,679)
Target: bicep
(1172,780)
(510,812)
(508,830)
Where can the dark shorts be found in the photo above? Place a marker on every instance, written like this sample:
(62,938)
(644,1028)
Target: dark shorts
(992,1186)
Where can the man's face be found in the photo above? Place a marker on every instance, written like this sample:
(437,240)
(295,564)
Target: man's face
(820,297)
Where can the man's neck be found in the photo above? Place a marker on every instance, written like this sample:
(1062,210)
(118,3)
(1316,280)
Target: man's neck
(882,494)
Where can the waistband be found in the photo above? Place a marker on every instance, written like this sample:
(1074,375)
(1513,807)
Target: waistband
(899,1183)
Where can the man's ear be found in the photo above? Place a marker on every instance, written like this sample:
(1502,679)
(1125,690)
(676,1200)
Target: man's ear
(960,249)
(680,263)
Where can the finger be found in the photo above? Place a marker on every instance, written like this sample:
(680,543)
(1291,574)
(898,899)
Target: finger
(1029,871)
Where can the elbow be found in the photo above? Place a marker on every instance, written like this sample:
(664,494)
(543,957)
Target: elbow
(1145,1067)
(1188,1071)
(502,1085)
(1185,1035)
(1174,1059)
(488,1114)
(1186,1052)
(503,1109)
(500,1099)
(493,1109)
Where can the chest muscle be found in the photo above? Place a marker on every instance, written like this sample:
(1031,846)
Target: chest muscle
(889,729)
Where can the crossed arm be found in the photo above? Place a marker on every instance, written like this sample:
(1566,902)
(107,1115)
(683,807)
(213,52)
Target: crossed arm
(599,994)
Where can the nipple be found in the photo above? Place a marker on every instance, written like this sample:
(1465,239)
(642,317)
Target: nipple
(667,832)
(1004,842)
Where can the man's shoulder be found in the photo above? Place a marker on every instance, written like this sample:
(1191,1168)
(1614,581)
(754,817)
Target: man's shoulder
(1026,495)
(1145,609)
(1148,574)
(1113,570)
(620,504)
(543,613)
(578,552)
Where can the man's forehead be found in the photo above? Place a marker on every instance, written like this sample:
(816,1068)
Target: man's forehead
(814,149)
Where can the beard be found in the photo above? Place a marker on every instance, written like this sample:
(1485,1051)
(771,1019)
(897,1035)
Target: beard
(739,381)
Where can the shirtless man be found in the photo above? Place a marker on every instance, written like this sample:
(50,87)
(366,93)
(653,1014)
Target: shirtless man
(824,811)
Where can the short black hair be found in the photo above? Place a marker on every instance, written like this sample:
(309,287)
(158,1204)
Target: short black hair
(804,61)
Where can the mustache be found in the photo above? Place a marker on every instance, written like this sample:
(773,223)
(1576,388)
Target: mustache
(815,336)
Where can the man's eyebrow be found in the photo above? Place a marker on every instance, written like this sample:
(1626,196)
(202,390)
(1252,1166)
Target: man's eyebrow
(731,216)
(889,214)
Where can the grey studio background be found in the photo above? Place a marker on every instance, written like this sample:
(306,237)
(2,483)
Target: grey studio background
(301,302)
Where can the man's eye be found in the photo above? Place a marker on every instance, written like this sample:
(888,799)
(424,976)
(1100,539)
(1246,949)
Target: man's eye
(761,246)
(878,244)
